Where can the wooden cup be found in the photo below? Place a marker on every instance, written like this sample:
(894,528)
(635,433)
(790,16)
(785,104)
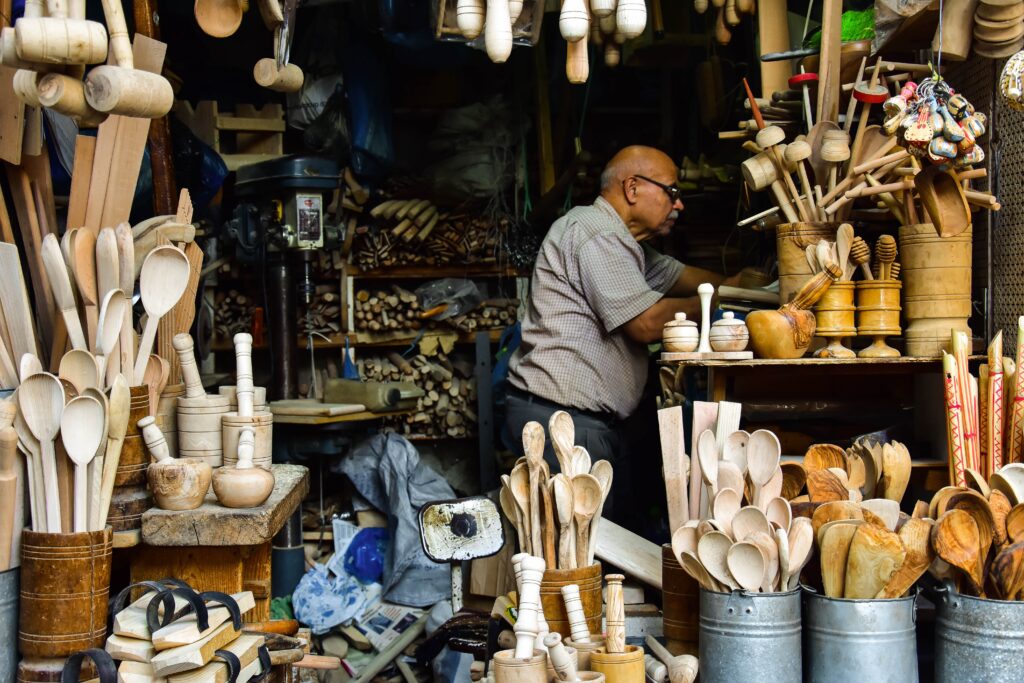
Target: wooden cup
(878,315)
(589,581)
(619,667)
(834,315)
(509,669)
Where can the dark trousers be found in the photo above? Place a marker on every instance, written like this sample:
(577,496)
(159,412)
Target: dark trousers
(600,437)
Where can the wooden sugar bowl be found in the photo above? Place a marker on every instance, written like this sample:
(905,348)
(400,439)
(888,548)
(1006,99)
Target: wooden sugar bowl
(787,332)
(176,484)
(680,335)
(243,486)
(729,334)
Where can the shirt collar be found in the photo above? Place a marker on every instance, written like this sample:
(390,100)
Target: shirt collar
(606,206)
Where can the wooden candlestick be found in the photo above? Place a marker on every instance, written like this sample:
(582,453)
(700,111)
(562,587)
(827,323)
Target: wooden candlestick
(243,372)
(287,79)
(615,615)
(469,17)
(498,31)
(526,628)
(574,610)
(705,291)
(560,660)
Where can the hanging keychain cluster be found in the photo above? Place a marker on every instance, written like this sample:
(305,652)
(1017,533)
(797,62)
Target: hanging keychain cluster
(935,123)
(1011,81)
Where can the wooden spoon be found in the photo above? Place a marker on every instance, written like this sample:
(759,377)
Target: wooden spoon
(770,548)
(977,507)
(896,469)
(96,466)
(155,377)
(887,510)
(915,535)
(782,546)
(118,412)
(956,540)
(84,246)
(1007,573)
(126,278)
(823,487)
(763,453)
(875,555)
(520,481)
(41,399)
(735,449)
(834,511)
(81,427)
(794,477)
(823,456)
(164,277)
(779,513)
(63,295)
(28,365)
(707,454)
(695,568)
(586,497)
(511,510)
(730,477)
(107,267)
(684,540)
(835,550)
(844,240)
(602,471)
(713,552)
(581,463)
(750,520)
(532,447)
(563,438)
(746,563)
(562,492)
(725,506)
(977,482)
(937,505)
(1015,524)
(112,312)
(801,543)
(79,367)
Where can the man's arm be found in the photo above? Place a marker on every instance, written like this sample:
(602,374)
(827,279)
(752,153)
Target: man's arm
(646,328)
(691,277)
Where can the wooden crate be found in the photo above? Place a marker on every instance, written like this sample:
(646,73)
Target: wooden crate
(248,135)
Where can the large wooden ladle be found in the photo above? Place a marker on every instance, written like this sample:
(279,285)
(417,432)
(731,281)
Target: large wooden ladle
(163,280)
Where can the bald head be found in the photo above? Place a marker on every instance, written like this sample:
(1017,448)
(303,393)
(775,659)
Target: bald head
(636,160)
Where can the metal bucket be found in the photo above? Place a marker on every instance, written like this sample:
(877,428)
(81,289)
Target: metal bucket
(750,637)
(8,624)
(859,640)
(977,640)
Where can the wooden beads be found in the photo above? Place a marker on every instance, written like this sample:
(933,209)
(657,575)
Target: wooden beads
(574,609)
(615,615)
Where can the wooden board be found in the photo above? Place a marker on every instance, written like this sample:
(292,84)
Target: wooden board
(705,415)
(186,631)
(28,224)
(14,300)
(245,647)
(674,465)
(131,621)
(81,177)
(213,525)
(631,553)
(711,355)
(312,407)
(103,157)
(38,170)
(195,655)
(12,118)
(130,649)
(137,672)
(130,146)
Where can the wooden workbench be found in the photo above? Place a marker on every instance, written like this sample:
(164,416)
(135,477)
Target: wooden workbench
(217,548)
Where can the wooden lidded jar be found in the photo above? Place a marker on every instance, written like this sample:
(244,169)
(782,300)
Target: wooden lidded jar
(729,334)
(680,335)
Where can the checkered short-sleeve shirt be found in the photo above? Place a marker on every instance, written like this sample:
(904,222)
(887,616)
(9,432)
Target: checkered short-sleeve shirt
(591,277)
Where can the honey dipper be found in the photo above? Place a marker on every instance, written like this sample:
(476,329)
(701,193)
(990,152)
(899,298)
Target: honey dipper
(894,270)
(860,254)
(885,254)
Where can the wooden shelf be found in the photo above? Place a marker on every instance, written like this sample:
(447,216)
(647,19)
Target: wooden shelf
(338,341)
(424,271)
(906,363)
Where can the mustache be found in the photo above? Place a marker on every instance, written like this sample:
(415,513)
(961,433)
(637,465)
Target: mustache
(673,216)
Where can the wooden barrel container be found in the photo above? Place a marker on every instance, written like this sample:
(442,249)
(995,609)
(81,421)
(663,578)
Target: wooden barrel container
(680,605)
(65,581)
(791,242)
(199,428)
(49,671)
(589,581)
(584,650)
(131,496)
(263,427)
(167,415)
(878,307)
(259,397)
(936,272)
(834,312)
(508,669)
(619,667)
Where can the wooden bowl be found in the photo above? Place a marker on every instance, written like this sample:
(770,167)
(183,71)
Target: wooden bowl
(246,488)
(179,484)
(218,18)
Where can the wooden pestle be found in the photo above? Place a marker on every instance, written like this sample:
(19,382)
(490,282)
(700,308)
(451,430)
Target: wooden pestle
(527,624)
(243,374)
(681,669)
(122,89)
(560,661)
(795,154)
(615,615)
(287,79)
(190,372)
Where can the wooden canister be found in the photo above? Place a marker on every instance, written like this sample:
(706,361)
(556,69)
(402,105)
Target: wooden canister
(589,581)
(936,272)
(49,671)
(791,242)
(259,397)
(878,307)
(509,669)
(167,416)
(619,667)
(680,605)
(65,579)
(199,428)
(263,427)
(834,312)
(584,650)
(131,497)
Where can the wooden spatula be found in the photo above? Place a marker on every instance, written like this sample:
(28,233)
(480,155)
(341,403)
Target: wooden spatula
(834,551)
(126,278)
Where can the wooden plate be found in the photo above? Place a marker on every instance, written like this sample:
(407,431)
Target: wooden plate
(1000,13)
(997,51)
(1000,3)
(989,24)
(998,36)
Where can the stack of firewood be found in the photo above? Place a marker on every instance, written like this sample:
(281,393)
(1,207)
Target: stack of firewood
(232,313)
(448,408)
(491,314)
(382,311)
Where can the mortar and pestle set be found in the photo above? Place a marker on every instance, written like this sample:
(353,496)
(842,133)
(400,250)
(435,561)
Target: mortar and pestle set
(725,336)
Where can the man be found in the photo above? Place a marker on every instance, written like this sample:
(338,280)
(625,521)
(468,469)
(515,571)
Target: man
(599,296)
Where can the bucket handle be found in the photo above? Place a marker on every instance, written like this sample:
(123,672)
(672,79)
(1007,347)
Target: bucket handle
(738,596)
(105,667)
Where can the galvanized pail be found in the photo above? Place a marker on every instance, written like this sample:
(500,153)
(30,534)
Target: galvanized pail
(8,624)
(977,640)
(859,640)
(750,637)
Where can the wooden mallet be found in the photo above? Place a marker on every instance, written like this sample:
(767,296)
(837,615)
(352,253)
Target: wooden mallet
(681,669)
(57,39)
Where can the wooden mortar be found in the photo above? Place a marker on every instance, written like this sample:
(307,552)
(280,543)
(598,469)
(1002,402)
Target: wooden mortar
(619,667)
(243,486)
(787,332)
(267,75)
(584,650)
(262,425)
(509,669)
(176,484)
(589,581)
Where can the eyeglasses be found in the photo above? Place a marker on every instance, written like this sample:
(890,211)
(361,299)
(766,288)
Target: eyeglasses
(673,192)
